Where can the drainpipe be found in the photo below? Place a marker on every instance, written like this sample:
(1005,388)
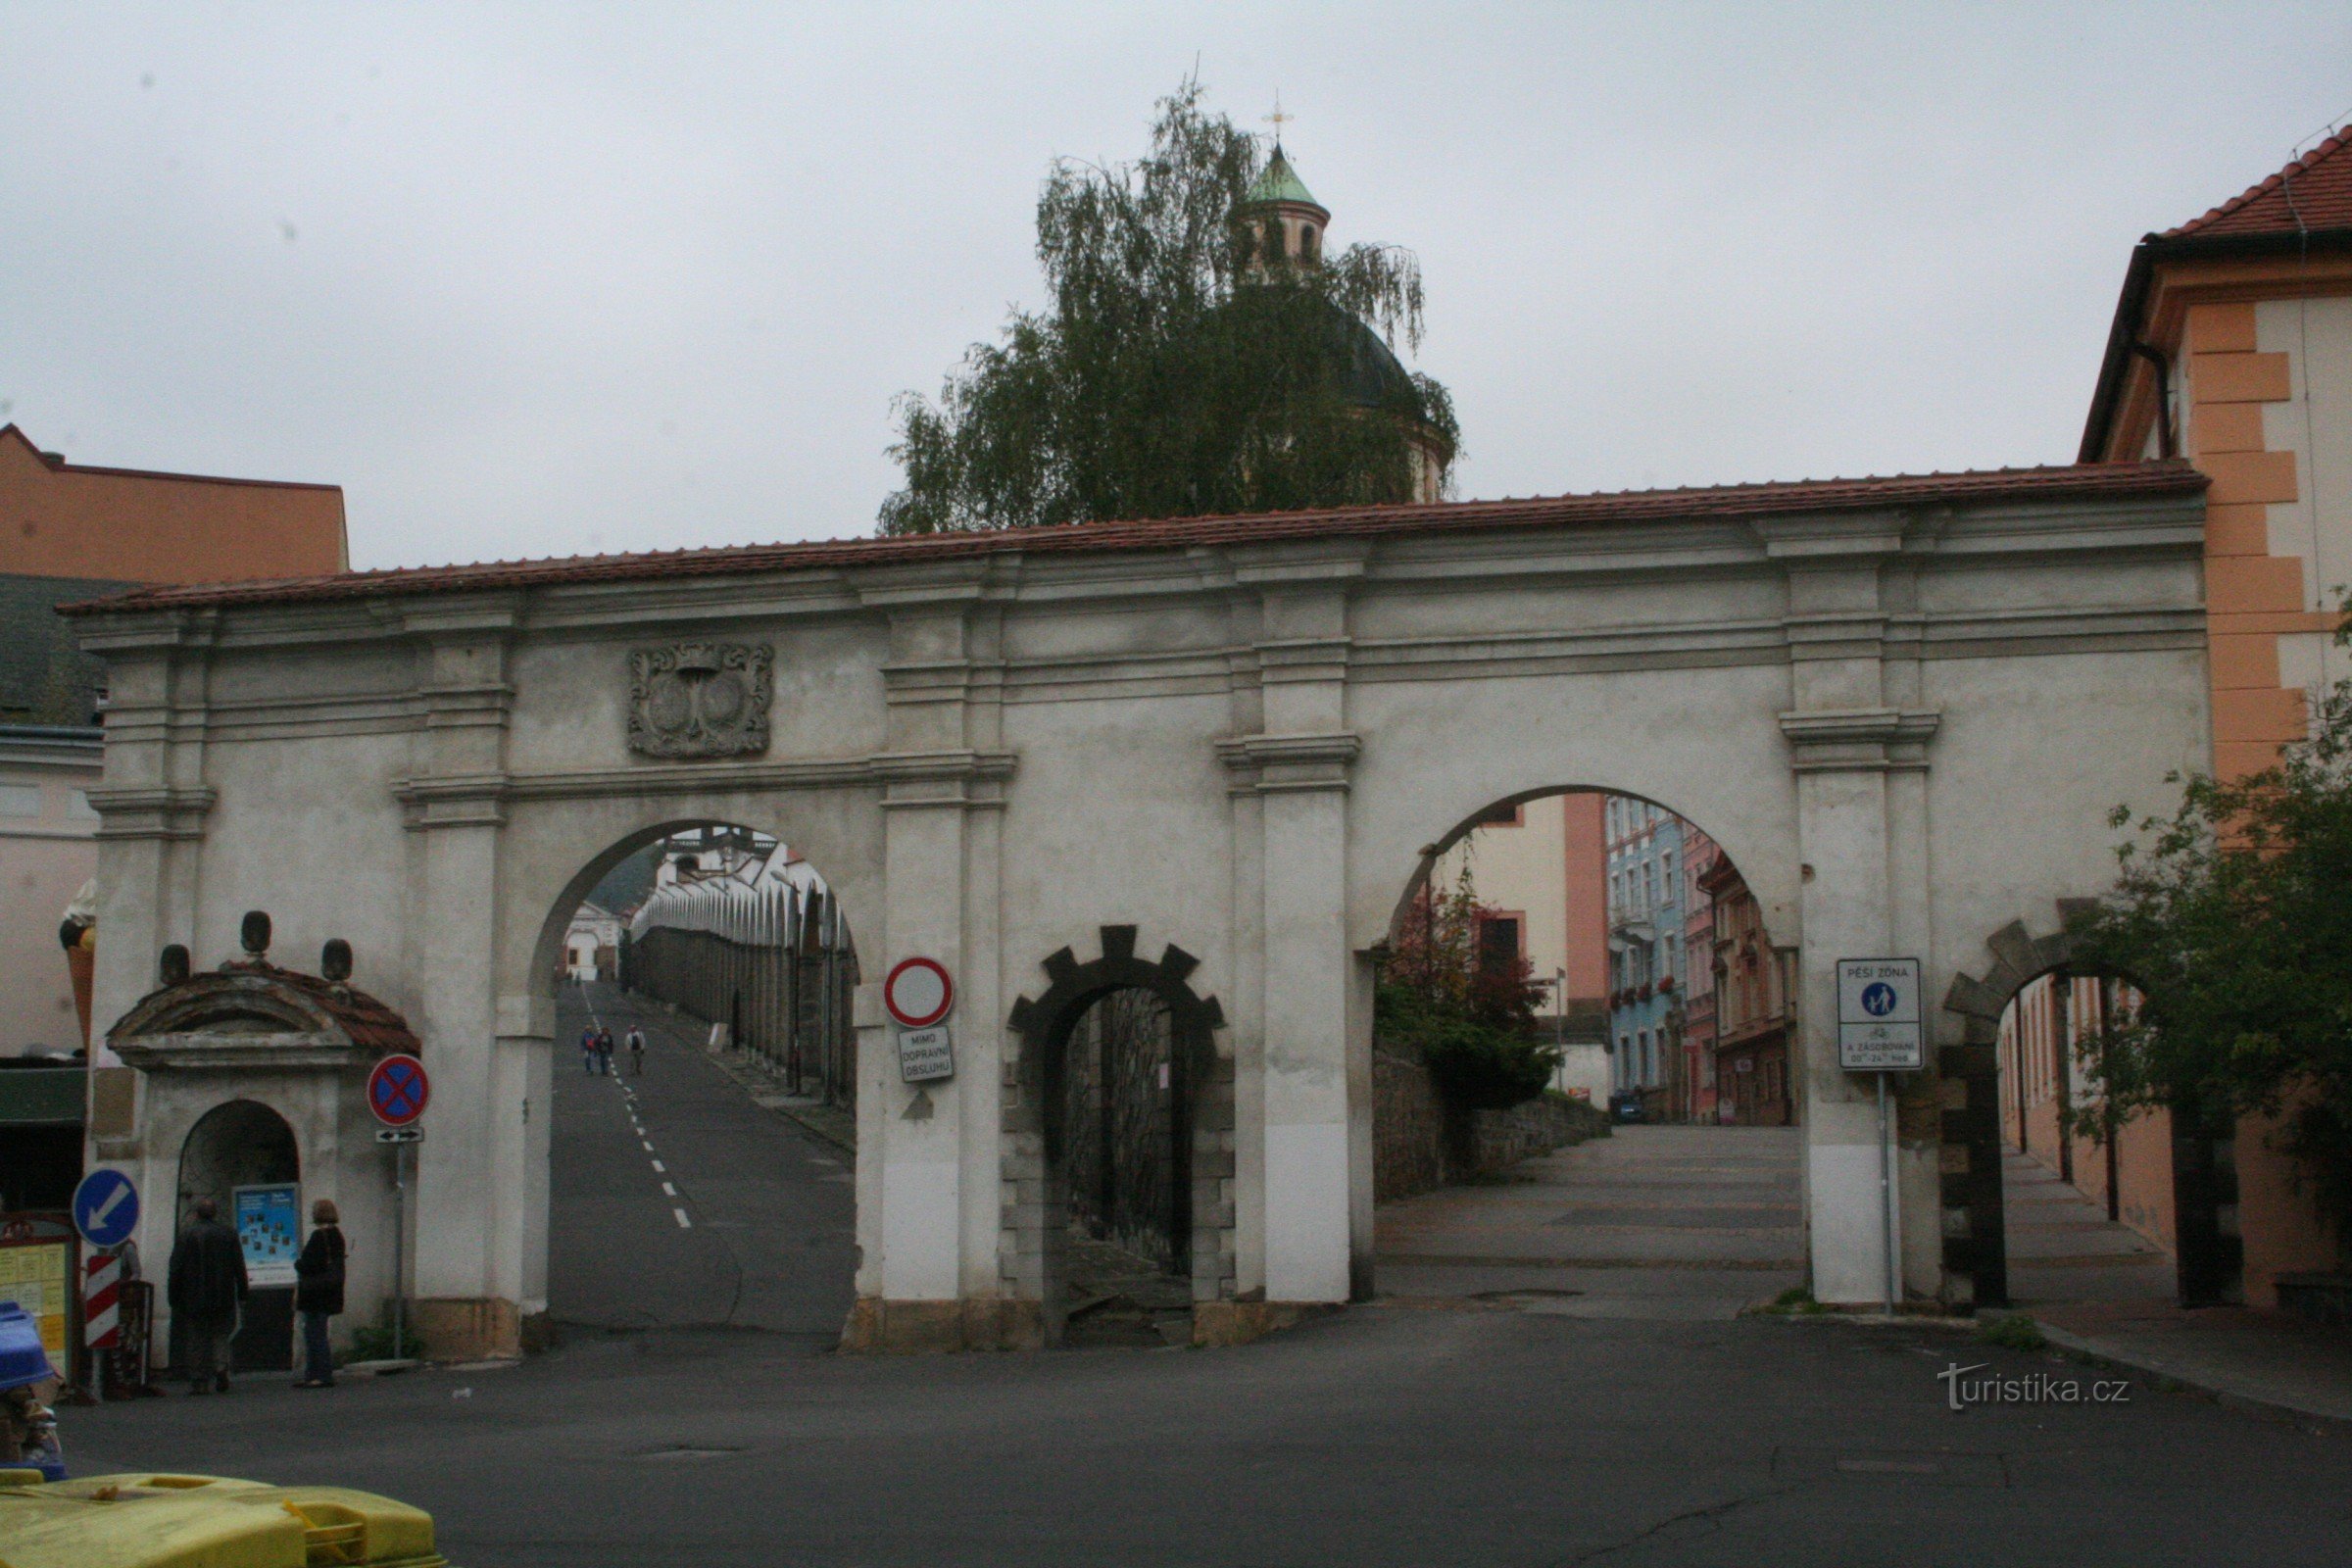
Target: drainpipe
(2166,446)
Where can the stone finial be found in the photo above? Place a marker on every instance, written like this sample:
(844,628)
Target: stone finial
(334,960)
(173,967)
(255,932)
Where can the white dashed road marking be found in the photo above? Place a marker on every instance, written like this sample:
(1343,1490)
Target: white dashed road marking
(658,1166)
(668,1190)
(649,1148)
(684,1223)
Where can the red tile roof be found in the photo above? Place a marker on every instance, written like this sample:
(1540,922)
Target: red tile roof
(2310,194)
(371,1025)
(2056,483)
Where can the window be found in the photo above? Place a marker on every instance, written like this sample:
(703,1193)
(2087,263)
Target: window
(1306,242)
(1497,944)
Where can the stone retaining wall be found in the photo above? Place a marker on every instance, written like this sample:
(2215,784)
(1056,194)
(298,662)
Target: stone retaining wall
(1411,1153)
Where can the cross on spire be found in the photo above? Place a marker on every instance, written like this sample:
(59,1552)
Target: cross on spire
(1278,119)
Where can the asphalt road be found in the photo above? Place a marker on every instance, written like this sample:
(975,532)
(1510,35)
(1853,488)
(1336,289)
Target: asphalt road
(688,1417)
(678,1202)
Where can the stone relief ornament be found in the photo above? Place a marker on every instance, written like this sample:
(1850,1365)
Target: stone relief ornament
(698,700)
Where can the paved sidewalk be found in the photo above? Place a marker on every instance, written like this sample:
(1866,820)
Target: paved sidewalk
(1661,1223)
(2266,1362)
(2064,1250)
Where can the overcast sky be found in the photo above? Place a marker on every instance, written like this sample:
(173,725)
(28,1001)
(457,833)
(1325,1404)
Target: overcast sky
(546,279)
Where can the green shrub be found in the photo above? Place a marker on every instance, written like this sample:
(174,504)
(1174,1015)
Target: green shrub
(374,1344)
(2011,1331)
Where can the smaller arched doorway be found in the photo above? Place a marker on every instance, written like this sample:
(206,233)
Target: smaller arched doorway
(242,1155)
(1119,1153)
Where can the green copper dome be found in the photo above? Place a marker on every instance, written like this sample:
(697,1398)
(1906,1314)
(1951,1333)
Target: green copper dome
(1281,184)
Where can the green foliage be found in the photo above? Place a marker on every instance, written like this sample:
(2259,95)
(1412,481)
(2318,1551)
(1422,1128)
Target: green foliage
(1473,1024)
(1168,376)
(373,1342)
(2233,919)
(1794,1301)
(2011,1331)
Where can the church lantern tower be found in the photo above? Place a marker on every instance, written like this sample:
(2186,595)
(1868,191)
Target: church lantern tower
(1284,216)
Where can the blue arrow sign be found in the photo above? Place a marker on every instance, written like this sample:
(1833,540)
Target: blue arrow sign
(106,1209)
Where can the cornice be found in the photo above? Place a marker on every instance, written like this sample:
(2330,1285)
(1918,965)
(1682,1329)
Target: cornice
(152,811)
(1276,764)
(1859,739)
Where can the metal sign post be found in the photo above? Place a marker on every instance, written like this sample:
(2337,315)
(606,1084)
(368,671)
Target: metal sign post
(1879,1032)
(398,1090)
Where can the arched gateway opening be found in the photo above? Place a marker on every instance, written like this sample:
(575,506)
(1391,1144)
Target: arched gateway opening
(242,1155)
(1119,1153)
(2050,1199)
(1584,1080)
(704,1179)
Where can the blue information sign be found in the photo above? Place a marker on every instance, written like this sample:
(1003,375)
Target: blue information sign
(106,1209)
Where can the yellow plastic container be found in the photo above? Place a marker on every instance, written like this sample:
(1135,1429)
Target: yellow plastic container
(163,1521)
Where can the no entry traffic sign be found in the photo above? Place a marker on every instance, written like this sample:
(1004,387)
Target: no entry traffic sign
(397,1091)
(918,993)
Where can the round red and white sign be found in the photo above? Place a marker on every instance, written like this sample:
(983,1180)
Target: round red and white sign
(918,993)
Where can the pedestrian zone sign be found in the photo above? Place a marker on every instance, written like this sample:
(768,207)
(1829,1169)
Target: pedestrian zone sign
(1878,1026)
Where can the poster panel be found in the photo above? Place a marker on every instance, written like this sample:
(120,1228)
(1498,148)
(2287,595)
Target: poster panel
(270,1227)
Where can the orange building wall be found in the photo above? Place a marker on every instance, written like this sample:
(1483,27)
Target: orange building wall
(1586,854)
(2203,312)
(60,521)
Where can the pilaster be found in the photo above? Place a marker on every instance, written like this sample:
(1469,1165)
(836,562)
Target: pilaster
(1857,742)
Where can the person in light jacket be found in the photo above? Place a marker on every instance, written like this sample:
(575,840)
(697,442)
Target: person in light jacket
(318,1292)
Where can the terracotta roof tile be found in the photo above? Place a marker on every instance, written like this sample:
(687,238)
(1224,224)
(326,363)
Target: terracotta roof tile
(371,1025)
(1622,508)
(2310,194)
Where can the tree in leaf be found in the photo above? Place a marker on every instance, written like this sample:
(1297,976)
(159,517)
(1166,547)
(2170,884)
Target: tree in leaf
(2233,919)
(1201,352)
(1471,1019)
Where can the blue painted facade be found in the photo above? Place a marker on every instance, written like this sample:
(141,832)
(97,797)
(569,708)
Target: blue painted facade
(1647,964)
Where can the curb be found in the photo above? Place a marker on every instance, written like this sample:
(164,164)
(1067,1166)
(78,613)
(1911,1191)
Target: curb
(2101,1354)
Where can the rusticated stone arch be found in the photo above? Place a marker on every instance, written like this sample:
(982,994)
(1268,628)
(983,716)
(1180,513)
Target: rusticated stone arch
(1975,1230)
(1035,1203)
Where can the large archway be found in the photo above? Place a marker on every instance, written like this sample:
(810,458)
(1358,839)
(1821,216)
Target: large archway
(1579,999)
(702,1089)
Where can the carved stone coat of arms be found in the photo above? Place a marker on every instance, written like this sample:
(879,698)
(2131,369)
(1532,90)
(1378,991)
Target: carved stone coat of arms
(698,700)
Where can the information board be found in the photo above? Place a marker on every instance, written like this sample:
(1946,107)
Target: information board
(270,1229)
(1879,1027)
(36,1266)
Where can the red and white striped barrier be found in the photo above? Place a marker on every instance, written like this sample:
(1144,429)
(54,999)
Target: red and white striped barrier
(101,1301)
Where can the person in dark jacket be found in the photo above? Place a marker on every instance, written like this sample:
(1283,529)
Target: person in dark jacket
(318,1292)
(207,1286)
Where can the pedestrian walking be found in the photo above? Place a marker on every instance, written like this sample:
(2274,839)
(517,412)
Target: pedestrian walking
(636,1051)
(604,1049)
(588,1049)
(318,1292)
(205,1290)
